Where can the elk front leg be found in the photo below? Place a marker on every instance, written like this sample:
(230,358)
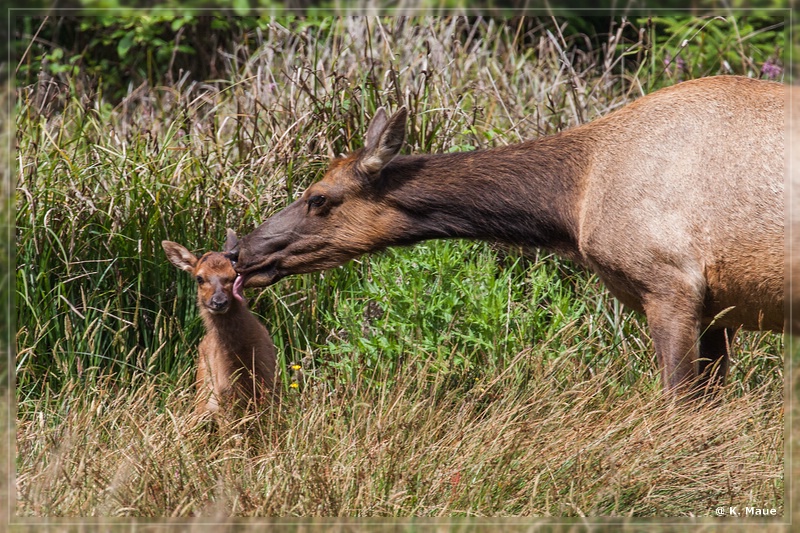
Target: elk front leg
(675,327)
(205,399)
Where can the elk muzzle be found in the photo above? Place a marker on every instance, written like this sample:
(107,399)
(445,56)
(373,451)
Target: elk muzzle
(258,256)
(219,303)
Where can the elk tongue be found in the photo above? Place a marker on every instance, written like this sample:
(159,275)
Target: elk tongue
(238,287)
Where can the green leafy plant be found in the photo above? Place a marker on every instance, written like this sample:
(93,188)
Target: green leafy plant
(686,48)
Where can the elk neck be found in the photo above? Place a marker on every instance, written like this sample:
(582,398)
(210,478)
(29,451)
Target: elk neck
(525,194)
(234,327)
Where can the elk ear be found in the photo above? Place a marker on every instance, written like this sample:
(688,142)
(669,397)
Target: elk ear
(375,127)
(231,240)
(179,256)
(383,141)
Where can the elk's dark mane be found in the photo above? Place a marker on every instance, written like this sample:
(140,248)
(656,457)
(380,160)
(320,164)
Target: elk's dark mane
(519,194)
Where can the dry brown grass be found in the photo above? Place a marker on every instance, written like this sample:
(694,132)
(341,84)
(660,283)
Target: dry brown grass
(412,449)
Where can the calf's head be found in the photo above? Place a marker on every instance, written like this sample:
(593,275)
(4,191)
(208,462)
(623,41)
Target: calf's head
(336,219)
(217,281)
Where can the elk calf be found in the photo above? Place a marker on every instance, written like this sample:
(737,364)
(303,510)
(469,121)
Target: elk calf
(236,360)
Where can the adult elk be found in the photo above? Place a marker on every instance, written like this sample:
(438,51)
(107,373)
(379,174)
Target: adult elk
(675,201)
(236,359)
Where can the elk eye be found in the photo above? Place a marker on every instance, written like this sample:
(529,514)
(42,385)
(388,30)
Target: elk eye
(200,280)
(317,200)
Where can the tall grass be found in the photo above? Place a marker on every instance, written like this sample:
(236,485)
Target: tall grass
(505,448)
(452,378)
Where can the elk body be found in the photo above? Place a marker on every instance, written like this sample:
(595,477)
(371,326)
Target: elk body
(676,201)
(236,360)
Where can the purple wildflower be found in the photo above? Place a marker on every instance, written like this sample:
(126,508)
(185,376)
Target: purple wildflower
(771,70)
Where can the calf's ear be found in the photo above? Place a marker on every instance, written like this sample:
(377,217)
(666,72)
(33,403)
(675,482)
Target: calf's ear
(231,240)
(179,256)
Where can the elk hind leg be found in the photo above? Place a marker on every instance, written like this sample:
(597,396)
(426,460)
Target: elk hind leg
(714,359)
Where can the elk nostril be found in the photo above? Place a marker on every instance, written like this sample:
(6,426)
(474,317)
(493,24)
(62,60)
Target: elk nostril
(219,302)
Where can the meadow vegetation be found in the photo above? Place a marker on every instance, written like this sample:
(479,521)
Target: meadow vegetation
(454,379)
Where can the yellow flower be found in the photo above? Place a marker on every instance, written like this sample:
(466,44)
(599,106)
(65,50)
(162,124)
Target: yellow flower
(296,367)
(295,385)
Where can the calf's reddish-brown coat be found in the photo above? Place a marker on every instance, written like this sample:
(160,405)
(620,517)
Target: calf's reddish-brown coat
(236,359)
(676,201)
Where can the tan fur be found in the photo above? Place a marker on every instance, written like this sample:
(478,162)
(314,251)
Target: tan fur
(676,201)
(706,206)
(236,358)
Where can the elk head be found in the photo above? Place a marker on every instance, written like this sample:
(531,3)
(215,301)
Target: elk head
(217,281)
(340,217)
